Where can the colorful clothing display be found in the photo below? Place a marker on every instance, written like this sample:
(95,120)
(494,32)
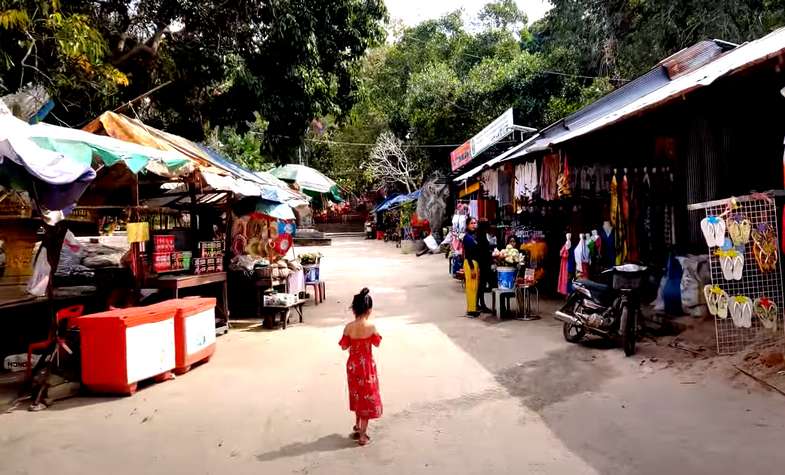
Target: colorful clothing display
(361,375)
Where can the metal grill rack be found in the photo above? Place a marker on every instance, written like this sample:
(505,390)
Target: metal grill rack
(758,209)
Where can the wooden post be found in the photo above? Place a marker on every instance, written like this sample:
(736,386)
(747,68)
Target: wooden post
(194,215)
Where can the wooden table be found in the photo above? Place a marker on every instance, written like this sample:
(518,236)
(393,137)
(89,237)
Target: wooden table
(283,311)
(176,282)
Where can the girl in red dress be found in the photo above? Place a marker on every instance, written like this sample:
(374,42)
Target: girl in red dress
(358,336)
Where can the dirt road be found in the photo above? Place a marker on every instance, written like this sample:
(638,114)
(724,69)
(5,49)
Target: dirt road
(461,397)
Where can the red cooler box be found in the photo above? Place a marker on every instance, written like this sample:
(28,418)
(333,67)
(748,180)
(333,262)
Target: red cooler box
(194,330)
(124,346)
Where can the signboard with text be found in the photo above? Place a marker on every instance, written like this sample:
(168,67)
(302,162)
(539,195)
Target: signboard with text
(461,156)
(495,131)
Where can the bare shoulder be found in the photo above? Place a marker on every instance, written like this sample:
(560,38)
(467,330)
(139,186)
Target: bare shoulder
(372,328)
(347,328)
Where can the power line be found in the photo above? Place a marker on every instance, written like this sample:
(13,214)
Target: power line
(362,144)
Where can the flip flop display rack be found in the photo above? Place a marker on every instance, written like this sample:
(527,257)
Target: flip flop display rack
(746,292)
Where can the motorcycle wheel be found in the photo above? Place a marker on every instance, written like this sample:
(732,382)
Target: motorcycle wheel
(573,333)
(630,335)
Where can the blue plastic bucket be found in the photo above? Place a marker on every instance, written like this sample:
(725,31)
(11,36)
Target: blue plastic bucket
(506,277)
(311,273)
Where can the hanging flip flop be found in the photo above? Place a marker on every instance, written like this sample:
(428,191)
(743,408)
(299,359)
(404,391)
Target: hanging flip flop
(766,311)
(722,305)
(739,230)
(738,265)
(764,247)
(713,228)
(726,263)
(741,311)
(711,292)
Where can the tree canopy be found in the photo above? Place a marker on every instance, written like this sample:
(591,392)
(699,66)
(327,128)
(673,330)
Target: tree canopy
(288,60)
(252,77)
(443,80)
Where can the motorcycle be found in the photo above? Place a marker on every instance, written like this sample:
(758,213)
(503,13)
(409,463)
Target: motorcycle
(609,311)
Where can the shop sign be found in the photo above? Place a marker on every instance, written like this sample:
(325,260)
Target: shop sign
(495,131)
(461,156)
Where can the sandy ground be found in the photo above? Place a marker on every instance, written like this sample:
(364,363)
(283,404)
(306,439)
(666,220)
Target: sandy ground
(461,397)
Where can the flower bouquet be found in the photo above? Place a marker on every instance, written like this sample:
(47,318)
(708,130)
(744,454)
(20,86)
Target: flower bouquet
(507,257)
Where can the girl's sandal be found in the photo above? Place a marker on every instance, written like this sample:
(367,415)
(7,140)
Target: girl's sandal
(363,440)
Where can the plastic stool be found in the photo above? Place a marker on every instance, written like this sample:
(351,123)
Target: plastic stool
(319,291)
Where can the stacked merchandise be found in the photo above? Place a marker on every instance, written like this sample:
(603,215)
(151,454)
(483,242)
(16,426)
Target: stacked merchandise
(162,254)
(211,257)
(168,259)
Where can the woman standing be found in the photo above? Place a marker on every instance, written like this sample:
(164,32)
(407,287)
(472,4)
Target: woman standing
(471,267)
(484,251)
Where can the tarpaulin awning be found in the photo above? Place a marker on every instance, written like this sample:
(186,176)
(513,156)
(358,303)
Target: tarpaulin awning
(61,159)
(218,172)
(110,150)
(398,200)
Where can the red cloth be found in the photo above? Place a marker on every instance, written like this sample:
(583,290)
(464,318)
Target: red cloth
(364,398)
(564,275)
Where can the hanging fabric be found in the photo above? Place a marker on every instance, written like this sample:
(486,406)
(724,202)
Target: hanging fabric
(614,188)
(490,182)
(548,177)
(564,275)
(645,218)
(632,220)
(504,185)
(520,180)
(563,182)
(621,228)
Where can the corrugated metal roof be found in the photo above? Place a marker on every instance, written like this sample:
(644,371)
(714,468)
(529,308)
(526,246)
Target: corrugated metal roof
(733,61)
(691,58)
(693,68)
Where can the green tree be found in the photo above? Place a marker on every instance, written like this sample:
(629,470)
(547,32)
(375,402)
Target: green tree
(289,60)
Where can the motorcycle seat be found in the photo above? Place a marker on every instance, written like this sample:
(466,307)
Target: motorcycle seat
(597,289)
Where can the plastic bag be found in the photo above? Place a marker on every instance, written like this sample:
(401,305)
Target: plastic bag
(430,241)
(37,284)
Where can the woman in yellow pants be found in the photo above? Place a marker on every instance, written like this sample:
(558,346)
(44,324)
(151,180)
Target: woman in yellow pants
(471,267)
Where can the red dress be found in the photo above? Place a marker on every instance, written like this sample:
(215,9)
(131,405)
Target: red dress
(364,396)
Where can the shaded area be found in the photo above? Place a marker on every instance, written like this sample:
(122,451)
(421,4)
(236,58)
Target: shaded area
(328,443)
